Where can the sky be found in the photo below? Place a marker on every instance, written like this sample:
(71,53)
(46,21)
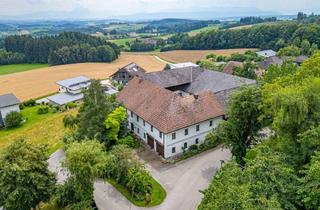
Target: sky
(118,8)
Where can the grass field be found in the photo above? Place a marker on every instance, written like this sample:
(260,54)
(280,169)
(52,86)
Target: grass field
(122,41)
(33,84)
(178,56)
(158,194)
(14,68)
(47,129)
(205,29)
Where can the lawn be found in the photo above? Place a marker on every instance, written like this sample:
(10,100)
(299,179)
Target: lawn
(38,129)
(158,194)
(14,68)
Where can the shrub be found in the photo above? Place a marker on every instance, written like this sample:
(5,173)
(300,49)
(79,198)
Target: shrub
(43,110)
(21,106)
(193,147)
(71,105)
(139,181)
(30,102)
(13,119)
(130,141)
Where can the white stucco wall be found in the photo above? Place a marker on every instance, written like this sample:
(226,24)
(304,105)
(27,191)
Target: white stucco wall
(167,140)
(6,110)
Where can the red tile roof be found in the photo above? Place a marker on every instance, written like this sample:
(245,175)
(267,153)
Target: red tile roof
(165,110)
(228,69)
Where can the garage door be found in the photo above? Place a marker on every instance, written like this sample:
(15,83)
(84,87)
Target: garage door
(150,141)
(160,149)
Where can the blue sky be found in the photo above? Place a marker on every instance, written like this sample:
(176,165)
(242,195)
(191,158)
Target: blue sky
(115,8)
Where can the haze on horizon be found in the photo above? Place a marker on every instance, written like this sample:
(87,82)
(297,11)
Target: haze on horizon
(125,8)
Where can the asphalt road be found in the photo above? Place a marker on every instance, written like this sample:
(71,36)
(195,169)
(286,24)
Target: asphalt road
(182,181)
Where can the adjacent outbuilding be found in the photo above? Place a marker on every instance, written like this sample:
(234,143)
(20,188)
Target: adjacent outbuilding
(8,103)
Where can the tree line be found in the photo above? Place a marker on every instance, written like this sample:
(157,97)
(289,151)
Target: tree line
(67,47)
(265,36)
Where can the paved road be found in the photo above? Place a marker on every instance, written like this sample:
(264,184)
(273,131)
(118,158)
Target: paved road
(182,182)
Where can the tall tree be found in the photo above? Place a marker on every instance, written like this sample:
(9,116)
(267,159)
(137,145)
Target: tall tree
(93,113)
(25,180)
(239,131)
(85,161)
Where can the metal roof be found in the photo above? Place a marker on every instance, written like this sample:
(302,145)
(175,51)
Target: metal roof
(8,100)
(73,81)
(267,53)
(183,65)
(64,98)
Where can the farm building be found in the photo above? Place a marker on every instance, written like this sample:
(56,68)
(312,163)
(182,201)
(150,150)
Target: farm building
(228,69)
(126,73)
(267,53)
(274,60)
(8,103)
(70,90)
(172,110)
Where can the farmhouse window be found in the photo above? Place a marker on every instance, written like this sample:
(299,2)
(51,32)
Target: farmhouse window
(173,150)
(186,132)
(151,127)
(173,136)
(210,124)
(131,114)
(197,141)
(160,134)
(185,145)
(197,127)
(137,118)
(144,123)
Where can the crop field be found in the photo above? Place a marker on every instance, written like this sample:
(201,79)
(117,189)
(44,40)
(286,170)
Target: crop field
(34,84)
(178,56)
(38,129)
(14,68)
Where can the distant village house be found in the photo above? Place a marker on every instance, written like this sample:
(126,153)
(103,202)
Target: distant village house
(8,103)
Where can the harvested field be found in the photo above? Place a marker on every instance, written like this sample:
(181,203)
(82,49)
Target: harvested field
(41,82)
(179,56)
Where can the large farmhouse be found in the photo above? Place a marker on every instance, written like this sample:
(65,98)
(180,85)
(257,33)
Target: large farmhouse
(172,110)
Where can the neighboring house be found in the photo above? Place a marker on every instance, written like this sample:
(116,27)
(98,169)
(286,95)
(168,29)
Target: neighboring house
(300,59)
(70,90)
(8,103)
(274,60)
(183,65)
(126,73)
(228,69)
(172,110)
(267,53)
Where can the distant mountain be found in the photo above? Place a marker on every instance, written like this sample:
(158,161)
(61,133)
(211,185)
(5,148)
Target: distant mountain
(208,14)
(205,14)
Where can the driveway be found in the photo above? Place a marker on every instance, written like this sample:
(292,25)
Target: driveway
(182,181)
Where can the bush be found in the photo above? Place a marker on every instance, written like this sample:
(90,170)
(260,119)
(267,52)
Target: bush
(43,110)
(21,106)
(193,147)
(139,181)
(13,119)
(71,105)
(30,102)
(130,141)
(125,169)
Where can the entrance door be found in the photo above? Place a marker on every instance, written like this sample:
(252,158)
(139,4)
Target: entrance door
(160,149)
(150,141)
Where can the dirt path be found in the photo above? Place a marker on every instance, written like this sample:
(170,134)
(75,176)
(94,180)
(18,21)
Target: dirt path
(33,84)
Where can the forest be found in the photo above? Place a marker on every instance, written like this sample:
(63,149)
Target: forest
(67,47)
(265,36)
(273,133)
